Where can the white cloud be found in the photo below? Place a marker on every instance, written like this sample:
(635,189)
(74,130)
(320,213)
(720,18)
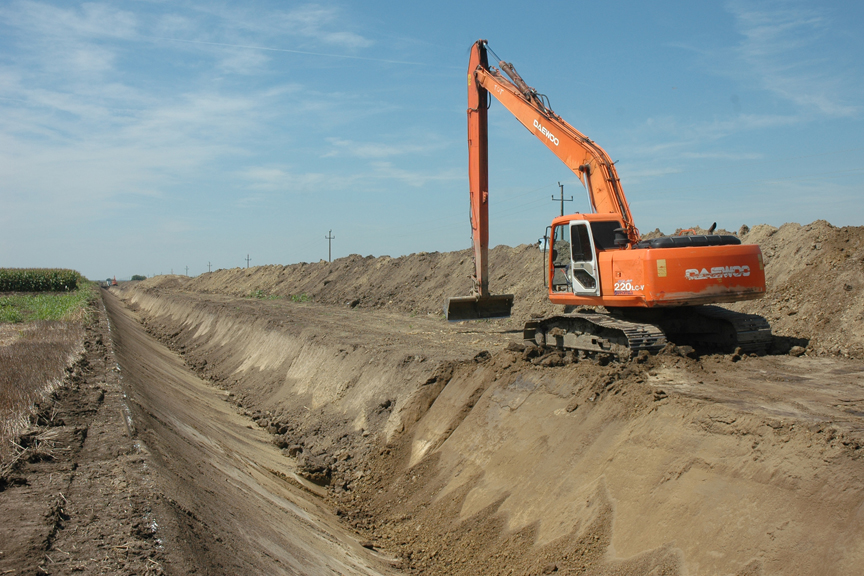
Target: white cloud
(91,20)
(723,155)
(65,44)
(282,179)
(173,24)
(310,24)
(318,23)
(380,150)
(244,62)
(780,49)
(414,178)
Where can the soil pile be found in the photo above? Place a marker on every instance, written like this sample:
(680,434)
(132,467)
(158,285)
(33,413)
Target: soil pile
(815,277)
(417,284)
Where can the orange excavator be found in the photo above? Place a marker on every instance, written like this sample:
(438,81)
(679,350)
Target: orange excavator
(654,291)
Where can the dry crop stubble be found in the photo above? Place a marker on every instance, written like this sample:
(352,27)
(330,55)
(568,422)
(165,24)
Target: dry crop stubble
(41,336)
(32,366)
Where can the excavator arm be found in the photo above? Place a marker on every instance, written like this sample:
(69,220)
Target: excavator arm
(585,158)
(480,304)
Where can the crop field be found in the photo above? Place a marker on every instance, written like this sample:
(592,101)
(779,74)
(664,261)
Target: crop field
(65,306)
(41,335)
(38,280)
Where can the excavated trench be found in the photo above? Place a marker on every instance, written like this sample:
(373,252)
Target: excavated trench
(240,507)
(385,442)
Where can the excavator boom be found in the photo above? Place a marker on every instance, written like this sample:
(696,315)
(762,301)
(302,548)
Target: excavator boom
(585,158)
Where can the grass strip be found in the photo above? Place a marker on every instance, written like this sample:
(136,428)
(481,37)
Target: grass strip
(67,306)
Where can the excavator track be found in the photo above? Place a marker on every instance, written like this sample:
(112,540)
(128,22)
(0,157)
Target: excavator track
(705,328)
(595,333)
(749,332)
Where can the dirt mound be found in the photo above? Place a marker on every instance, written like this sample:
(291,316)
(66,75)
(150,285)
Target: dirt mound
(167,281)
(417,284)
(815,279)
(694,231)
(815,276)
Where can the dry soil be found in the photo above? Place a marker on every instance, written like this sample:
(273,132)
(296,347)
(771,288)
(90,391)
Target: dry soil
(323,418)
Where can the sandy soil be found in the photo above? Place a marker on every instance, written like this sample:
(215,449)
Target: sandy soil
(334,423)
(455,450)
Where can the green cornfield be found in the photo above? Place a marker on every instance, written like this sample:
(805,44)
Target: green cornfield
(32,294)
(38,280)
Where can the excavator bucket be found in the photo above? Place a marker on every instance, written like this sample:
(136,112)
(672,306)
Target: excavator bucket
(478,307)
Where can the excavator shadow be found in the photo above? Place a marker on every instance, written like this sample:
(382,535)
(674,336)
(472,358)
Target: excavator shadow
(783,344)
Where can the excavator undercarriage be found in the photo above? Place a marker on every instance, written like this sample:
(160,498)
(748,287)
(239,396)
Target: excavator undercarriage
(624,332)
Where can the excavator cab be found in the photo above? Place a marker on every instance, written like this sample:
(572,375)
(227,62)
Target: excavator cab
(583,255)
(573,261)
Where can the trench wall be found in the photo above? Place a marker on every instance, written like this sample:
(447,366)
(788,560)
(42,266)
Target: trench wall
(574,459)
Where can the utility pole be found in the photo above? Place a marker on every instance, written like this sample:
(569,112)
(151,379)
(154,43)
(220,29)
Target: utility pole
(330,239)
(562,200)
(247,260)
(187,270)
(208,267)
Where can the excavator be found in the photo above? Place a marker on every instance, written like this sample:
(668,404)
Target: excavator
(654,291)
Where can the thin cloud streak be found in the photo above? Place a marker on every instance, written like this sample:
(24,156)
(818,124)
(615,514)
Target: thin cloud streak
(305,52)
(780,49)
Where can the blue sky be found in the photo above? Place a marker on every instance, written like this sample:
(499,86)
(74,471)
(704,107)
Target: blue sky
(141,137)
